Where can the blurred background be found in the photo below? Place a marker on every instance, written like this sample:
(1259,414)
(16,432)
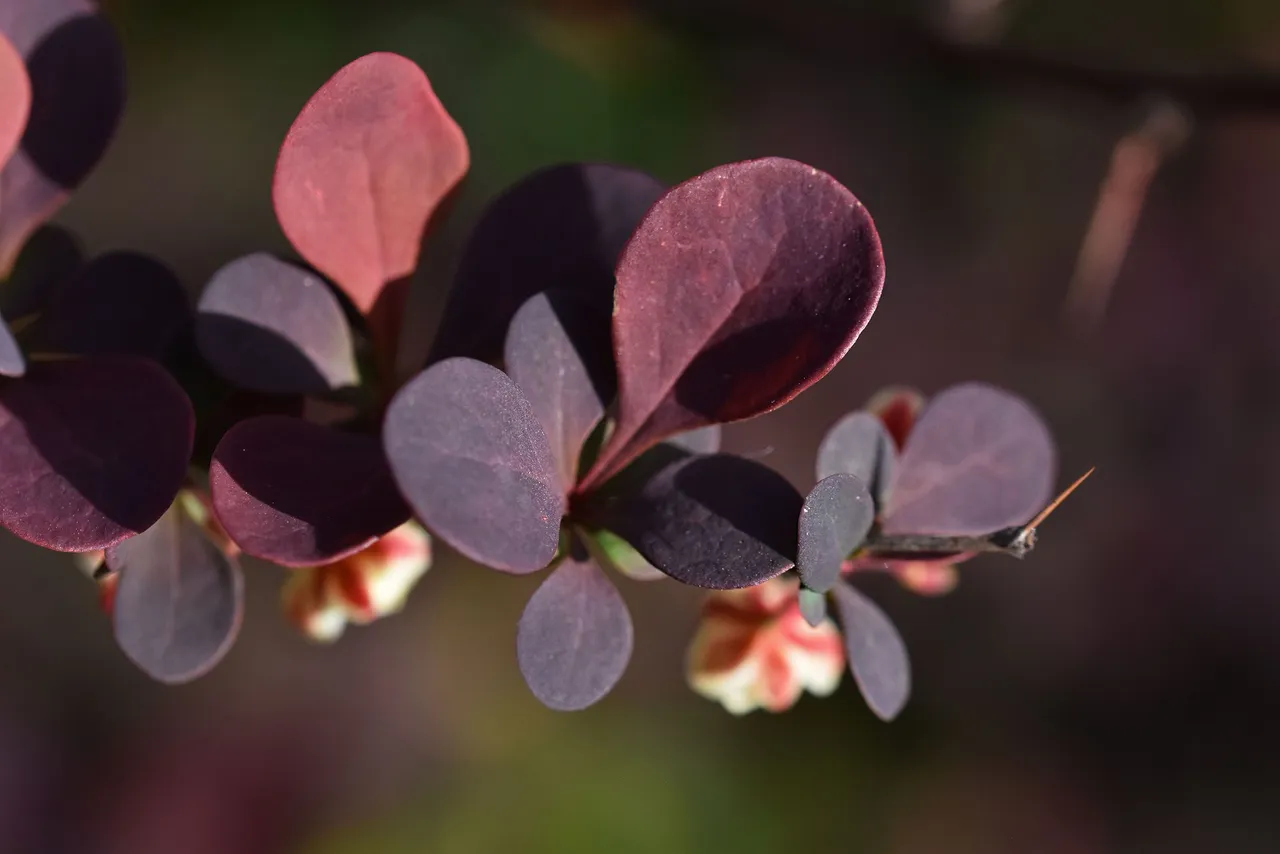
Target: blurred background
(1116,692)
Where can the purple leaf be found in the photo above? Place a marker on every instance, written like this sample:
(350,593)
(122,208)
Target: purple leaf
(473,461)
(558,353)
(835,520)
(561,227)
(860,445)
(76,68)
(719,522)
(12,362)
(705,440)
(15,99)
(301,494)
(366,163)
(877,655)
(178,603)
(91,450)
(273,327)
(813,606)
(122,304)
(741,288)
(47,261)
(575,637)
(978,460)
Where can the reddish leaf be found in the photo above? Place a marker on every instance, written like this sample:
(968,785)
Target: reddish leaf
(741,288)
(366,163)
(978,460)
(475,464)
(558,353)
(122,303)
(15,99)
(877,656)
(76,68)
(575,637)
(835,520)
(273,327)
(562,227)
(719,522)
(178,603)
(301,494)
(860,445)
(91,450)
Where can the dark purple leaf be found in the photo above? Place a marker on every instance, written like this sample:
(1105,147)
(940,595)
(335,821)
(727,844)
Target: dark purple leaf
(813,606)
(575,637)
(475,464)
(91,450)
(978,460)
(705,440)
(877,655)
(76,68)
(719,522)
(301,494)
(15,98)
(12,362)
(835,520)
(121,303)
(860,445)
(740,289)
(179,600)
(558,353)
(273,327)
(47,261)
(366,163)
(561,227)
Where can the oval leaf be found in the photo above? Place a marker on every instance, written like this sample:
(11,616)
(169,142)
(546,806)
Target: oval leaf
(575,637)
(558,353)
(813,606)
(273,327)
(15,98)
(860,445)
(76,68)
(835,520)
(368,160)
(877,655)
(48,260)
(122,303)
(741,288)
(978,460)
(719,522)
(472,459)
(179,599)
(301,494)
(91,451)
(561,227)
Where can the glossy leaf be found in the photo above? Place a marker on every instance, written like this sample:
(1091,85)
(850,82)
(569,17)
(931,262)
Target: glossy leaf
(12,362)
(301,494)
(813,606)
(271,326)
(122,303)
(179,599)
(835,520)
(877,656)
(978,460)
(740,289)
(558,353)
(860,445)
(48,259)
(719,522)
(562,227)
(575,637)
(475,464)
(705,440)
(91,451)
(368,160)
(15,98)
(76,68)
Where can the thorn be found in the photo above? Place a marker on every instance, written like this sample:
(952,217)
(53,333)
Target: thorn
(1053,505)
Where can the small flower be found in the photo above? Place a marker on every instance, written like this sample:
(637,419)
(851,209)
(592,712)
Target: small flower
(753,649)
(369,584)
